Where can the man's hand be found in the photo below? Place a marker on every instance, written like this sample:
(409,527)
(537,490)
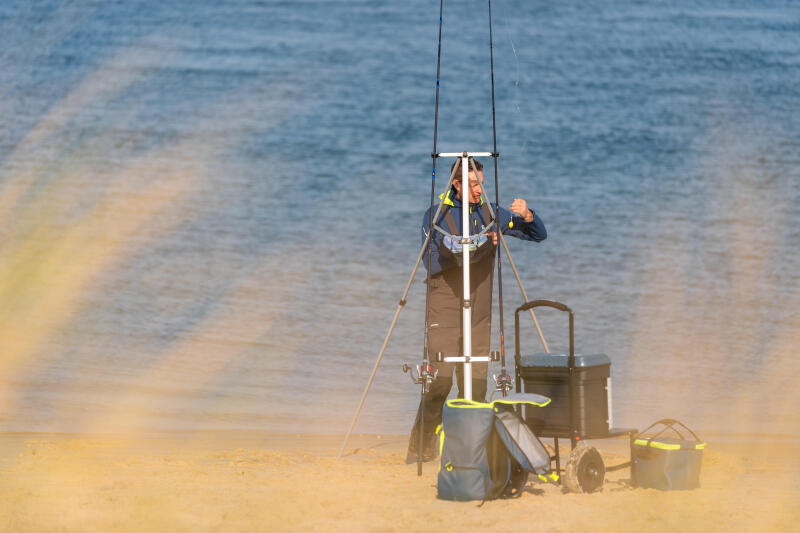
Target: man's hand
(520,207)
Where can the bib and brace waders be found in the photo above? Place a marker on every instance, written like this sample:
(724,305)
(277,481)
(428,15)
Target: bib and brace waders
(445,335)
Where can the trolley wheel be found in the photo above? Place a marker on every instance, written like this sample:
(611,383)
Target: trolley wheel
(585,469)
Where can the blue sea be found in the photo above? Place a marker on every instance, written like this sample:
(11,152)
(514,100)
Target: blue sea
(211,209)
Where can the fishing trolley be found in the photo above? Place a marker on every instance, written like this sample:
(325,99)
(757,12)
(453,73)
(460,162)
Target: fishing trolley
(580,389)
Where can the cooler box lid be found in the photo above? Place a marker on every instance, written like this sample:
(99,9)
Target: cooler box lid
(561,360)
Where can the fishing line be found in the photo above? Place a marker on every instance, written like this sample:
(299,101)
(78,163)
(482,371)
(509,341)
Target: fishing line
(516,91)
(497,201)
(426,356)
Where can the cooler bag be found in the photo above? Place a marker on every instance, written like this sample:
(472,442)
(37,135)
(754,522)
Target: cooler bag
(667,463)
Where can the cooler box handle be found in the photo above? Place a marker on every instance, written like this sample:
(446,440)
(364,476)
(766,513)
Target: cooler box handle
(544,303)
(571,362)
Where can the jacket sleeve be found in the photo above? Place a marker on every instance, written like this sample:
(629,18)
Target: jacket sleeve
(515,226)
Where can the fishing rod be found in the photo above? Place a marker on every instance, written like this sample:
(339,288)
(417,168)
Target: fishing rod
(426,374)
(426,377)
(503,382)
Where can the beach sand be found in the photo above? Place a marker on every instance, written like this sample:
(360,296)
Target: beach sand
(232,482)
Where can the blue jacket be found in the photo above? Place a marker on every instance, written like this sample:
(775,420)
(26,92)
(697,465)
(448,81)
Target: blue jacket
(510,224)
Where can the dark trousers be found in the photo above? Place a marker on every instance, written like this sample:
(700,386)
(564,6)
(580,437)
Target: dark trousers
(445,298)
(431,410)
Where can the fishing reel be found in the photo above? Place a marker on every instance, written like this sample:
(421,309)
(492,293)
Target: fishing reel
(503,382)
(425,375)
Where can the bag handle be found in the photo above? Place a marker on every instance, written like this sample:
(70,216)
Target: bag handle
(668,423)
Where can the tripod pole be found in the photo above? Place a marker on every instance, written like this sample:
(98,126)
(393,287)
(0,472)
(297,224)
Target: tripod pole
(466,300)
(524,295)
(516,274)
(400,305)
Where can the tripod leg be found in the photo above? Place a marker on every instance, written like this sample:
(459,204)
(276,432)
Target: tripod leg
(394,323)
(514,268)
(375,368)
(524,295)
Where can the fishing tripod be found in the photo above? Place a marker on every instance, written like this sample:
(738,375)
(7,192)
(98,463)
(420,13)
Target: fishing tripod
(425,374)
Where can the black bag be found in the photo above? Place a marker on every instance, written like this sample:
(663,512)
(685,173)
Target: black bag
(487,451)
(667,463)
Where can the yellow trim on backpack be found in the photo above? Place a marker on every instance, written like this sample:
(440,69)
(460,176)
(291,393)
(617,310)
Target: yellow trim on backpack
(440,432)
(472,404)
(467,404)
(664,445)
(515,402)
(552,477)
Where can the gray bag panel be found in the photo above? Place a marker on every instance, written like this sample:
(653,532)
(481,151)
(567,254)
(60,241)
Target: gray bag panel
(668,463)
(464,472)
(521,443)
(463,483)
(667,469)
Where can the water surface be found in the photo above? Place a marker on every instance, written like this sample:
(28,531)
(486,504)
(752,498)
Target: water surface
(210,211)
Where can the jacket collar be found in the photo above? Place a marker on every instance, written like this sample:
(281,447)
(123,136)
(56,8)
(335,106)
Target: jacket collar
(452,199)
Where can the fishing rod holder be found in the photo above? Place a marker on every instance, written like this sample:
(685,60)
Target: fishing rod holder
(463,359)
(425,376)
(493,357)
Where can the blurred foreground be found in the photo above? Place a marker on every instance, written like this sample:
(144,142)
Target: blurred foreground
(251,482)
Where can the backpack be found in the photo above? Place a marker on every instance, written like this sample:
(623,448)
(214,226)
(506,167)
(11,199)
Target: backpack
(487,451)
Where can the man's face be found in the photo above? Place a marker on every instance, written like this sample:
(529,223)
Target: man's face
(474,186)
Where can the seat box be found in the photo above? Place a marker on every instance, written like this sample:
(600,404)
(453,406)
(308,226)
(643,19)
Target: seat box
(548,375)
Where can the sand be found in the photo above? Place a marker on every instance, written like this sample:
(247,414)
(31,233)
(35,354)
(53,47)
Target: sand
(246,482)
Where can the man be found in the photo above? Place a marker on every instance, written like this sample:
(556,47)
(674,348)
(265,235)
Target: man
(445,294)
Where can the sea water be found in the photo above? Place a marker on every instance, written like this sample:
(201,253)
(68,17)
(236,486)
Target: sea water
(210,210)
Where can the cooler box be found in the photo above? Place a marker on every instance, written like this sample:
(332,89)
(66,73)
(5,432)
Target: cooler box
(547,374)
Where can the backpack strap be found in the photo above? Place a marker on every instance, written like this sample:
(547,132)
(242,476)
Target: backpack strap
(450,221)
